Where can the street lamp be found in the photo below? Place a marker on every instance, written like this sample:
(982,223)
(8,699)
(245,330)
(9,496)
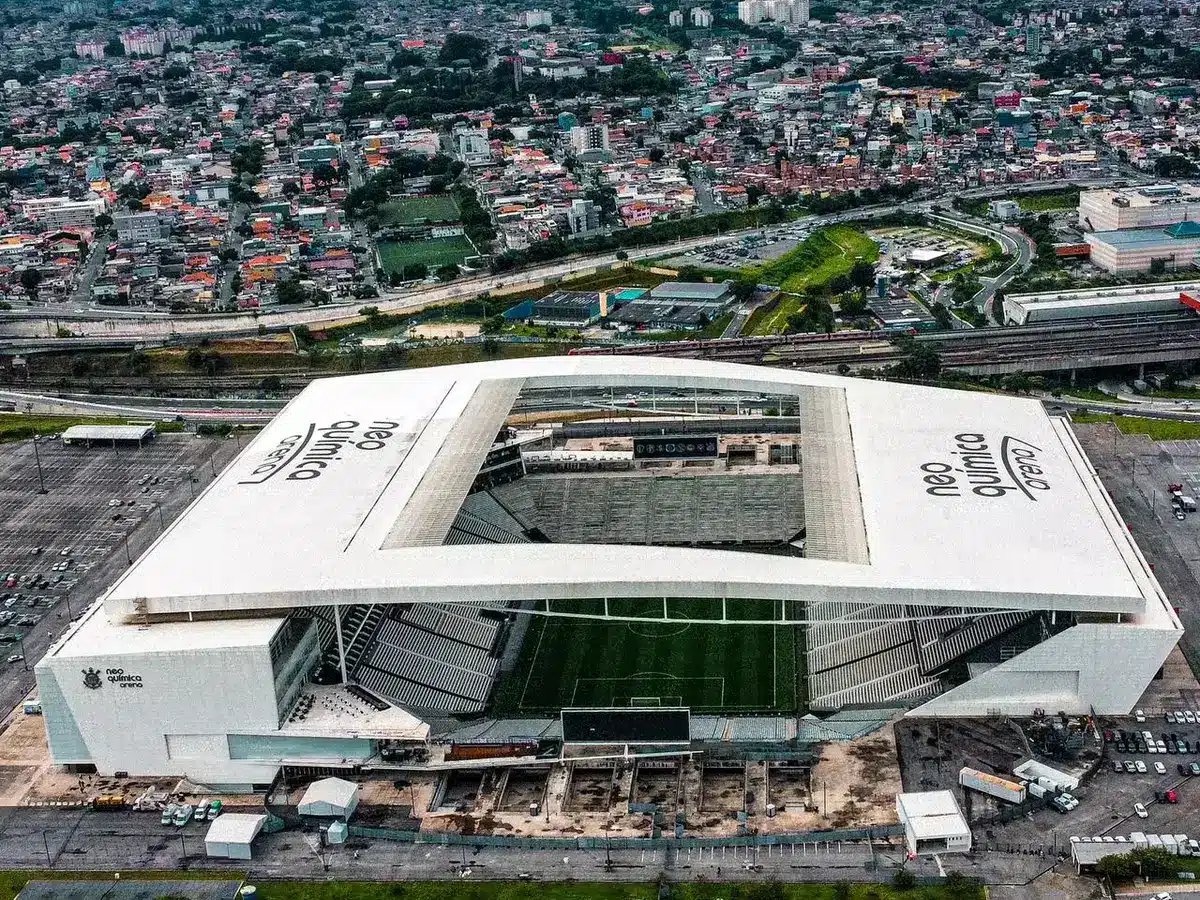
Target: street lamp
(38,459)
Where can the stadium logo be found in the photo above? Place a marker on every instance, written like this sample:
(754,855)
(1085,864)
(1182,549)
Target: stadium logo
(988,469)
(307,455)
(91,678)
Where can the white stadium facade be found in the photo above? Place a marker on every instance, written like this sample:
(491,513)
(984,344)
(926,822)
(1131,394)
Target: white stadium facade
(349,581)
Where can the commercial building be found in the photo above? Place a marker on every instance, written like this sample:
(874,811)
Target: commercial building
(356,575)
(717,294)
(568,308)
(1173,248)
(1004,210)
(933,823)
(751,12)
(589,139)
(140,227)
(60,212)
(1033,40)
(1097,303)
(1145,207)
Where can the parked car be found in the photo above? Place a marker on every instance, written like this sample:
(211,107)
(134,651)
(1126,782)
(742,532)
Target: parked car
(1130,767)
(1117,767)
(1141,767)
(1160,769)
(1140,811)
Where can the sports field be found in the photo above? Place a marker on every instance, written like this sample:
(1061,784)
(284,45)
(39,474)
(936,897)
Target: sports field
(411,210)
(394,256)
(706,666)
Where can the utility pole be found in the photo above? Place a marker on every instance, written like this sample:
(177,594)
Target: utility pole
(37,457)
(128,556)
(46,844)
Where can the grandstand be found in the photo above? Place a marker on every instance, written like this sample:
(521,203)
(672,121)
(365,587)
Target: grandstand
(383,534)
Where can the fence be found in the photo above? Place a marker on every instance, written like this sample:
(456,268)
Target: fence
(627,843)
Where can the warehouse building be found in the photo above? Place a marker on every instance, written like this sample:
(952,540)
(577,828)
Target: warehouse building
(717,295)
(1097,303)
(348,584)
(933,823)
(1139,250)
(569,309)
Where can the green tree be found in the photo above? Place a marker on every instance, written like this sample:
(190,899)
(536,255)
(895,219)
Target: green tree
(862,274)
(853,305)
(918,360)
(904,880)
(493,325)
(270,383)
(31,279)
(1118,867)
(447,272)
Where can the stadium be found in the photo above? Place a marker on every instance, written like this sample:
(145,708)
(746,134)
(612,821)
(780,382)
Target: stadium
(608,550)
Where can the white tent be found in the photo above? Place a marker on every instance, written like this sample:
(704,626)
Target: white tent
(230,835)
(330,797)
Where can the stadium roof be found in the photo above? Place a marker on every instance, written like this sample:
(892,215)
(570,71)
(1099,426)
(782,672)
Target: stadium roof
(912,495)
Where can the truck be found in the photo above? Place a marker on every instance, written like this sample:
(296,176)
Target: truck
(108,802)
(992,785)
(1170,844)
(1139,840)
(1036,790)
(1154,842)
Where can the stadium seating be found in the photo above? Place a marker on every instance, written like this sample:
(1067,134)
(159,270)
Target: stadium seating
(433,656)
(666,509)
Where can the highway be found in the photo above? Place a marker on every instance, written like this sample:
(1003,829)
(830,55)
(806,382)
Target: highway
(39,325)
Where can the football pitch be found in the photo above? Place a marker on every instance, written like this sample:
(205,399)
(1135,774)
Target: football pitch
(434,252)
(708,667)
(411,210)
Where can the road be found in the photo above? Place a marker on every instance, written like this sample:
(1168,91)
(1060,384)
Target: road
(88,321)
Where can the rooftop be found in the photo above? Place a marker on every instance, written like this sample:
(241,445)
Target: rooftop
(1134,238)
(348,495)
(690,290)
(931,815)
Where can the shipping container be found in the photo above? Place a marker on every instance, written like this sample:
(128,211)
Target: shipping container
(992,785)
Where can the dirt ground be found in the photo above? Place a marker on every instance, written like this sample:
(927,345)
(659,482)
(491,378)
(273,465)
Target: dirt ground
(448,330)
(854,784)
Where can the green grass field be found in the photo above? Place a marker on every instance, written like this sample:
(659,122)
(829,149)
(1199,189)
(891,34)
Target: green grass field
(706,666)
(411,210)
(394,256)
(17,426)
(823,256)
(1038,203)
(1156,429)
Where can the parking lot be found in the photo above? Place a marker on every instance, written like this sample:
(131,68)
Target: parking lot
(60,549)
(751,249)
(1136,471)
